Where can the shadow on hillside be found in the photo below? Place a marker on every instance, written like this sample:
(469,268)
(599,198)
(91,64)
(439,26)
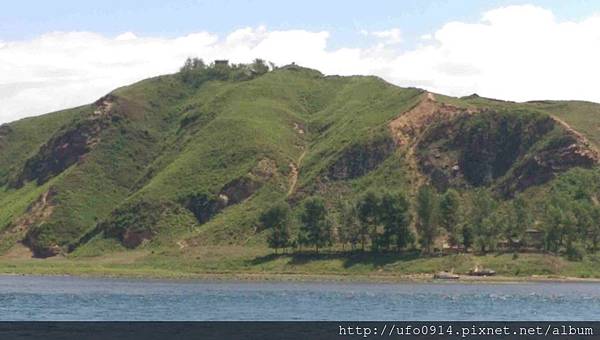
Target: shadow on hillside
(350,259)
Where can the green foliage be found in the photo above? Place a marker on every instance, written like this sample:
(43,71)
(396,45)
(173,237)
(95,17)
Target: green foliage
(427,216)
(315,229)
(593,233)
(368,212)
(494,140)
(450,218)
(395,217)
(349,230)
(174,150)
(195,72)
(276,221)
(575,252)
(487,222)
(518,220)
(141,221)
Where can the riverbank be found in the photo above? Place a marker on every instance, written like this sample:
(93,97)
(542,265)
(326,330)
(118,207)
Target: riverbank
(259,264)
(309,278)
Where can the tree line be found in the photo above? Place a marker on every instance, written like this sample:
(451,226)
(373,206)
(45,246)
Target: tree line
(390,221)
(195,71)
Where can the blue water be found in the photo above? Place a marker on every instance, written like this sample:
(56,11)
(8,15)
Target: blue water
(68,298)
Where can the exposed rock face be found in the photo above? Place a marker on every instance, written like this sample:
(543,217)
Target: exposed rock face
(545,164)
(358,159)
(239,189)
(508,150)
(408,127)
(36,214)
(205,205)
(67,147)
(136,223)
(133,238)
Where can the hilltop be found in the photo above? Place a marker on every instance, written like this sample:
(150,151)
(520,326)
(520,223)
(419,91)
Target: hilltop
(178,168)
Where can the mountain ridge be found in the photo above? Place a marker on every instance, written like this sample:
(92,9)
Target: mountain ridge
(193,158)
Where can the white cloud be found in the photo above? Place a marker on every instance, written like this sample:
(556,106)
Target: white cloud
(126,36)
(387,37)
(515,53)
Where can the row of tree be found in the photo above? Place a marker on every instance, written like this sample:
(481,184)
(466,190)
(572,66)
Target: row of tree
(388,221)
(195,71)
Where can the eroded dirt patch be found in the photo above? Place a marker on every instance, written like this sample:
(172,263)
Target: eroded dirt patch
(38,212)
(67,146)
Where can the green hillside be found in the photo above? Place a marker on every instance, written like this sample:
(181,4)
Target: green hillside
(159,171)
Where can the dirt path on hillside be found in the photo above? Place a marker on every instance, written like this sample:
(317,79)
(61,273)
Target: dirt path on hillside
(580,137)
(406,130)
(294,172)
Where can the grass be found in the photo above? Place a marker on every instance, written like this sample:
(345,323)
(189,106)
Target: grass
(257,262)
(167,140)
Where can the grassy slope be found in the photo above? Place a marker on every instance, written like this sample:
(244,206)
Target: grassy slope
(177,140)
(582,116)
(24,139)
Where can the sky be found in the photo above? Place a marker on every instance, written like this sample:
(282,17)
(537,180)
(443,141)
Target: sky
(60,54)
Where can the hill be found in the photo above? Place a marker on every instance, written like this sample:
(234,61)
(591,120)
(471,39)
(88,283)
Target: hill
(174,165)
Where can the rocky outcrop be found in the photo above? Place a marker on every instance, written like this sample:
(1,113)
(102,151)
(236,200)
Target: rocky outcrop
(67,146)
(509,151)
(137,222)
(359,159)
(205,205)
(25,227)
(409,126)
(568,152)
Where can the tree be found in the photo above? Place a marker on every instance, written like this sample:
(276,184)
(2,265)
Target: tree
(395,217)
(259,66)
(554,220)
(426,214)
(349,226)
(467,236)
(367,208)
(315,229)
(193,64)
(276,220)
(450,215)
(593,233)
(489,229)
(485,226)
(520,220)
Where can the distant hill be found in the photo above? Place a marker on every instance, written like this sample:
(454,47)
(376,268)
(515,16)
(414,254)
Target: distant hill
(194,158)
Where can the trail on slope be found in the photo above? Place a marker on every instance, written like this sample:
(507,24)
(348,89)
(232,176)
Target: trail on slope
(595,153)
(295,172)
(406,132)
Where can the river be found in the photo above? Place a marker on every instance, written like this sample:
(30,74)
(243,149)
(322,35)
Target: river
(73,298)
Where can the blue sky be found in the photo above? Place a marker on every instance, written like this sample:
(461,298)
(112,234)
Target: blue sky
(343,19)
(59,54)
